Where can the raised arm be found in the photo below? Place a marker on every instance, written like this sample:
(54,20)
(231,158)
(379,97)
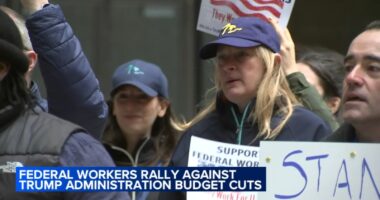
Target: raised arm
(304,92)
(73,91)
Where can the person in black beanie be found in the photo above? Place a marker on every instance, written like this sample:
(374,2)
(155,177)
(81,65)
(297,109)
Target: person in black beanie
(30,137)
(13,90)
(10,45)
(72,89)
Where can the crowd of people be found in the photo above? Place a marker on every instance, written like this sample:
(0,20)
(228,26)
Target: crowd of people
(264,89)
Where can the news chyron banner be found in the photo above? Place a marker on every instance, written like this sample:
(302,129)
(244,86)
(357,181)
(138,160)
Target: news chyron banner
(208,153)
(214,14)
(321,170)
(88,179)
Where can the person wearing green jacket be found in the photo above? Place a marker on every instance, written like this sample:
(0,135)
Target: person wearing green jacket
(303,90)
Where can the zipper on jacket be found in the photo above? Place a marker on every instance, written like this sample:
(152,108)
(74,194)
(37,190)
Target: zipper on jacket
(239,125)
(133,161)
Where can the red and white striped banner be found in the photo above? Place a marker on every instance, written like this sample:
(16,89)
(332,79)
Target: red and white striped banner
(214,14)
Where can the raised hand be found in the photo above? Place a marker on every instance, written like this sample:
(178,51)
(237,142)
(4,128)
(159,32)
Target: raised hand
(31,6)
(287,51)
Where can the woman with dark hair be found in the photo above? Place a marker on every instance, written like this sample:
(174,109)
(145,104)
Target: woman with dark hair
(13,65)
(142,130)
(304,91)
(324,69)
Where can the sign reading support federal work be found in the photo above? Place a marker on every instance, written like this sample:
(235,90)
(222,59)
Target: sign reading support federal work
(214,14)
(208,153)
(321,170)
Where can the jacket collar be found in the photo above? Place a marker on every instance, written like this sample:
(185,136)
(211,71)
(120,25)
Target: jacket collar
(223,108)
(35,91)
(122,157)
(346,133)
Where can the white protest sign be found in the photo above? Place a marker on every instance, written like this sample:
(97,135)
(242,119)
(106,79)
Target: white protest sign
(214,14)
(209,153)
(321,170)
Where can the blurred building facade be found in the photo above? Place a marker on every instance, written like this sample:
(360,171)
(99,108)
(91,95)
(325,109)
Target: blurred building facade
(163,31)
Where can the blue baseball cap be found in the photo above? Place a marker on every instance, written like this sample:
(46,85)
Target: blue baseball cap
(244,32)
(146,76)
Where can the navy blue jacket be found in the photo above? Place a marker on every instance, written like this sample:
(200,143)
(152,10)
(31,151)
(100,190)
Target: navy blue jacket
(220,126)
(81,149)
(345,133)
(73,91)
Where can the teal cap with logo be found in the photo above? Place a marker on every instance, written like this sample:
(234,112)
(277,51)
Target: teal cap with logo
(146,76)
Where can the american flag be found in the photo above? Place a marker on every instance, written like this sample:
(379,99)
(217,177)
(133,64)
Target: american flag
(214,14)
(257,8)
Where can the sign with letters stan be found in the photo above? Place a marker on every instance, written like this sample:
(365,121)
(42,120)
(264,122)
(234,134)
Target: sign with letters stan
(214,14)
(321,170)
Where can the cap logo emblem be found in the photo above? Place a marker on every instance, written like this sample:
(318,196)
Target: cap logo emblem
(132,69)
(230,28)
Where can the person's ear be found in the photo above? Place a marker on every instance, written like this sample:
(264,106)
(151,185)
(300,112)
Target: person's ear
(277,59)
(32,57)
(164,105)
(333,103)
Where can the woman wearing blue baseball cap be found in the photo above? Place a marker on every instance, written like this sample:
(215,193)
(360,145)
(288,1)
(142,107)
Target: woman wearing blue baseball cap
(253,101)
(142,130)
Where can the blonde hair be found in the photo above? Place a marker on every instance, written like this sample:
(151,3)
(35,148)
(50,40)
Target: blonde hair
(278,100)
